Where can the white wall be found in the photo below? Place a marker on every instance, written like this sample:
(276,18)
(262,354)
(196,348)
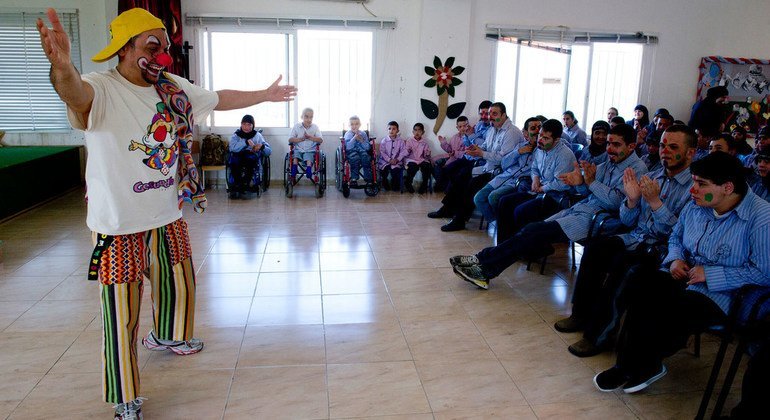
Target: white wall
(688,30)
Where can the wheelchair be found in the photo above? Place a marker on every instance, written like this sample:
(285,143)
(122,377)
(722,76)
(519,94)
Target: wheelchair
(319,174)
(342,171)
(260,179)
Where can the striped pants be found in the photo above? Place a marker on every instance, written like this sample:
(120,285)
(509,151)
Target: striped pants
(164,256)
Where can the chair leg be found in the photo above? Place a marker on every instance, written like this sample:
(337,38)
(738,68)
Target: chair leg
(542,265)
(572,245)
(731,371)
(481,223)
(704,403)
(529,264)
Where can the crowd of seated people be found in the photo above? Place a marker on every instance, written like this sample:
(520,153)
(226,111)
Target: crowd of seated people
(692,212)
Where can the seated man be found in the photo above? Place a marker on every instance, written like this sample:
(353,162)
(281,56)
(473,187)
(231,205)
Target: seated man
(605,184)
(651,206)
(719,244)
(515,176)
(551,159)
(358,151)
(762,142)
(723,143)
(455,150)
(247,146)
(652,158)
(499,141)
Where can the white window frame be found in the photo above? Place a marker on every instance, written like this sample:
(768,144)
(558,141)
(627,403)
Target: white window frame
(32,104)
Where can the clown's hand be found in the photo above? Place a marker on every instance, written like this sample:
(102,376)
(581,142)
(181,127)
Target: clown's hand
(54,40)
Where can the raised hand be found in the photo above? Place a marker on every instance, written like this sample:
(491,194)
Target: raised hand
(589,172)
(650,192)
(281,93)
(572,178)
(631,187)
(54,40)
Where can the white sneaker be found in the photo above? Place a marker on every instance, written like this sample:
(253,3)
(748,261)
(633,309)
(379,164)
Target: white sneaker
(131,410)
(183,348)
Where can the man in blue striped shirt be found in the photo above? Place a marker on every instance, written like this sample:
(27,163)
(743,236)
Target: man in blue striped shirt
(651,208)
(605,185)
(720,243)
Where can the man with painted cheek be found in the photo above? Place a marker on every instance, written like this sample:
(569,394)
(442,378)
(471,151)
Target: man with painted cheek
(718,245)
(138,123)
(650,210)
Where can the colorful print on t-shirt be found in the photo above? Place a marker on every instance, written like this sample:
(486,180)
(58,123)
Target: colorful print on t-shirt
(159,144)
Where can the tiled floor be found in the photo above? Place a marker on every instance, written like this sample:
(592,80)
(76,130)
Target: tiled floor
(311,309)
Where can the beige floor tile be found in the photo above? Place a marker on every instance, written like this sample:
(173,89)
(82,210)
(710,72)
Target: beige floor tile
(51,266)
(284,392)
(183,394)
(231,263)
(14,388)
(56,315)
(417,280)
(372,389)
(521,412)
(417,306)
(293,283)
(474,384)
(357,243)
(352,282)
(568,387)
(604,409)
(222,312)
(75,288)
(282,345)
(446,340)
(218,285)
(11,311)
(72,395)
(220,351)
(369,342)
(284,262)
(27,288)
(239,245)
(361,308)
(286,310)
(336,261)
(292,244)
(405,257)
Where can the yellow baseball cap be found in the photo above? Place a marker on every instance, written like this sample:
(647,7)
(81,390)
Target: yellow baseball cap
(127,25)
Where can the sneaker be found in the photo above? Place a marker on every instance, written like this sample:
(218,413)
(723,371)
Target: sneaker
(464,260)
(569,325)
(610,380)
(636,384)
(131,410)
(585,348)
(453,226)
(473,275)
(183,348)
(440,213)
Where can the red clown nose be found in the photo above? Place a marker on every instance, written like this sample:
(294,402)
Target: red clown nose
(164,59)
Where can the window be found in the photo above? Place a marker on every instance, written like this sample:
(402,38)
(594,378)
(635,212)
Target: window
(28,101)
(333,72)
(548,73)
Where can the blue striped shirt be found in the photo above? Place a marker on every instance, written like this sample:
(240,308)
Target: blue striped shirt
(515,165)
(655,226)
(758,186)
(606,193)
(734,249)
(549,164)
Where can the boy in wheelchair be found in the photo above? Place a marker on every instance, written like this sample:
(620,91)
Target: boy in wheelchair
(358,152)
(247,147)
(305,136)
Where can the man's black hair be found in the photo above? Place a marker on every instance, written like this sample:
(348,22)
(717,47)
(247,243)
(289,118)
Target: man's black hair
(720,168)
(554,127)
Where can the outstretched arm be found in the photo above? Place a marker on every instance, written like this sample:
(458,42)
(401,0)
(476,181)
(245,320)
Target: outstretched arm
(237,99)
(73,91)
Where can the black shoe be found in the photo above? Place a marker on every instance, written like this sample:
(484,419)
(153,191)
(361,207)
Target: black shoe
(585,348)
(636,384)
(453,226)
(440,213)
(235,195)
(610,380)
(569,325)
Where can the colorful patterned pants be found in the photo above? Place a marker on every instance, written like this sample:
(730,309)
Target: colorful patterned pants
(164,256)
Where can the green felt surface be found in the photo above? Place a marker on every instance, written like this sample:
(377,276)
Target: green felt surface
(14,155)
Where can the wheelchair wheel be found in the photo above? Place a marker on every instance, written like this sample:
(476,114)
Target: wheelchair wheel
(371,190)
(345,190)
(288,184)
(321,184)
(265,173)
(338,170)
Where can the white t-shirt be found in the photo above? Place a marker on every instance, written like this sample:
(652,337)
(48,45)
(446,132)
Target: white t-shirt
(299,130)
(132,153)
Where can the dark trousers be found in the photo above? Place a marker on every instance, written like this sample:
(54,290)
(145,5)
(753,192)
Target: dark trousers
(395,178)
(439,174)
(243,164)
(532,242)
(755,389)
(661,315)
(599,298)
(456,175)
(519,209)
(411,171)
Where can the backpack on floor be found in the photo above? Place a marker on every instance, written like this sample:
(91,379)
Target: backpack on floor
(213,150)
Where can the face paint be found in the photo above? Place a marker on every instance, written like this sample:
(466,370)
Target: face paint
(708,197)
(678,157)
(498,119)
(621,154)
